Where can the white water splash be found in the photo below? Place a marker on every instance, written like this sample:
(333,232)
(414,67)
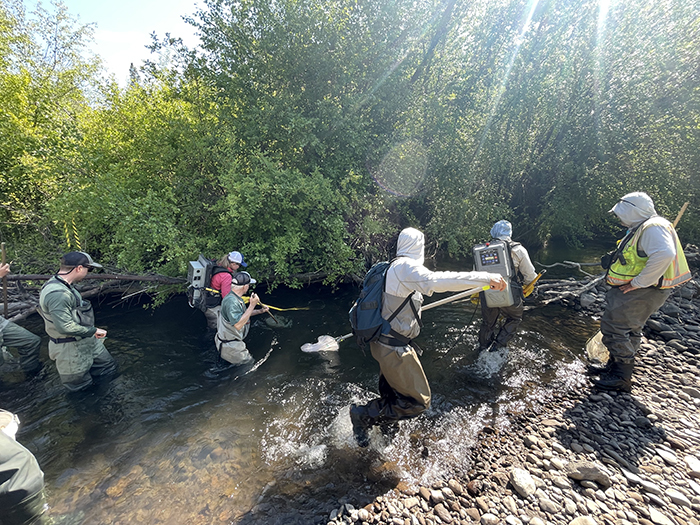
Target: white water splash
(490,363)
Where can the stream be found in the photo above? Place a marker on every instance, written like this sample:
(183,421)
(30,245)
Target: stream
(180,437)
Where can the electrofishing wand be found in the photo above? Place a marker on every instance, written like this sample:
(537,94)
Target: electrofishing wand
(326,342)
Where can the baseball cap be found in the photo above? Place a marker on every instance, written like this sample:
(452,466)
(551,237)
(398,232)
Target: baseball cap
(79,259)
(243,278)
(237,257)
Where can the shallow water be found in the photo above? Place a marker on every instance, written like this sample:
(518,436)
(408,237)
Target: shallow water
(178,437)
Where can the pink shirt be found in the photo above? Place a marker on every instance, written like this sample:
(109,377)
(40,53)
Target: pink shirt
(222,282)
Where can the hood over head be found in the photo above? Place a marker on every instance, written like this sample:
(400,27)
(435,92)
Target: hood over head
(634,208)
(411,244)
(502,230)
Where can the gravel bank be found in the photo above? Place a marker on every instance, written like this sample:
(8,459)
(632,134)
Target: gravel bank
(586,457)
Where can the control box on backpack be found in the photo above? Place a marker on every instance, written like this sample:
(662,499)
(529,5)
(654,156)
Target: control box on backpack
(494,257)
(199,275)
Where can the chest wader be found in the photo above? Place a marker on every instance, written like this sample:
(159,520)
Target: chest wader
(76,357)
(22,500)
(229,342)
(404,391)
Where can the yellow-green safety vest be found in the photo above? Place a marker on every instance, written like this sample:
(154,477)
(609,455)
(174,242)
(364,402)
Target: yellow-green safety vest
(677,272)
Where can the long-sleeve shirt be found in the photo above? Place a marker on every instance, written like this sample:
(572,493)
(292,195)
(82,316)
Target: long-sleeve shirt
(62,306)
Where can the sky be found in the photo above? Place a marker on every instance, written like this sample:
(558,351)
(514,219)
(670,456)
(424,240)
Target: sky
(123,27)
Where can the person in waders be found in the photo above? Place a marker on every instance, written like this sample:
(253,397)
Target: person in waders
(14,336)
(75,344)
(518,260)
(647,264)
(234,320)
(22,500)
(221,279)
(403,388)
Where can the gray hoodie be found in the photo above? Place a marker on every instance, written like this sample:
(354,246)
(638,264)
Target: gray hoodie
(658,241)
(408,274)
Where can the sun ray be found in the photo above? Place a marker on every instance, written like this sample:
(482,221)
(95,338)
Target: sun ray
(520,38)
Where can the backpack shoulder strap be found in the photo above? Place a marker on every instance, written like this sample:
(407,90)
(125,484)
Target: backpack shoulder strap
(403,304)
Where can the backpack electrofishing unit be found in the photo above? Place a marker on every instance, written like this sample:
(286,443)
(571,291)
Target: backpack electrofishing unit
(366,313)
(200,294)
(494,257)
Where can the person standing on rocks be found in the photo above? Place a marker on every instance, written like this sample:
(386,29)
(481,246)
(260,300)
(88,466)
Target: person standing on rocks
(647,264)
(521,265)
(403,388)
(75,343)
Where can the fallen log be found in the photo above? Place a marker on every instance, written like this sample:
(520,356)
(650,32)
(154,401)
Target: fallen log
(106,277)
(28,307)
(24,303)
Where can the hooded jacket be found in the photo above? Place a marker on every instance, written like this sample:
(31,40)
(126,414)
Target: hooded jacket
(407,274)
(656,237)
(521,258)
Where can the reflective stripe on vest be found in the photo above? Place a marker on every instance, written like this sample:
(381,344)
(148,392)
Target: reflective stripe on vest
(677,272)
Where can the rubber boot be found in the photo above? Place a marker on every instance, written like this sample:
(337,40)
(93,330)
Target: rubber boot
(361,424)
(619,378)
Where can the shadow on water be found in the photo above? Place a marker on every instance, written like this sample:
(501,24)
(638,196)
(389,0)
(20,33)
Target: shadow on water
(178,437)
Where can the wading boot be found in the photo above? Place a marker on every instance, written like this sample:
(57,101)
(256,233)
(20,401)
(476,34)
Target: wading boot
(596,370)
(619,377)
(361,424)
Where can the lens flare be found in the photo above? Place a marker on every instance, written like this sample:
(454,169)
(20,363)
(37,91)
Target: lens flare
(403,169)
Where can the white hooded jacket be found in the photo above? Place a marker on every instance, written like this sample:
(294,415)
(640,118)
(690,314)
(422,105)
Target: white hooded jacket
(407,274)
(657,240)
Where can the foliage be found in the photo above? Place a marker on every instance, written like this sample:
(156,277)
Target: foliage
(289,223)
(308,133)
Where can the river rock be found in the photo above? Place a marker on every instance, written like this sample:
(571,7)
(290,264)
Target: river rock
(670,335)
(692,392)
(669,308)
(581,470)
(587,300)
(658,517)
(693,465)
(522,482)
(456,487)
(694,486)
(658,326)
(510,505)
(547,505)
(669,457)
(678,497)
(512,520)
(443,513)
(411,502)
(583,520)
(473,513)
(437,496)
(489,519)
(424,493)
(531,441)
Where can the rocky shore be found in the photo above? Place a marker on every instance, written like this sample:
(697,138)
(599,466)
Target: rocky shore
(585,457)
